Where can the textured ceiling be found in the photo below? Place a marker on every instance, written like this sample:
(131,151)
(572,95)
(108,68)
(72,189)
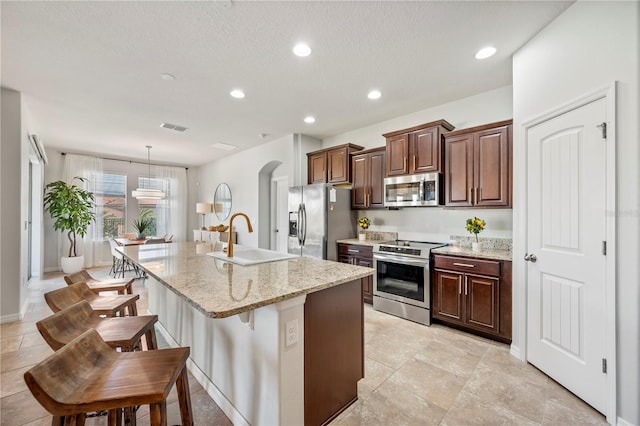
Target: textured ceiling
(90,71)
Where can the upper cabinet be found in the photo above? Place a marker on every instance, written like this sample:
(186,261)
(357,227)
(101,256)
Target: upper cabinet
(367,171)
(332,165)
(478,164)
(417,149)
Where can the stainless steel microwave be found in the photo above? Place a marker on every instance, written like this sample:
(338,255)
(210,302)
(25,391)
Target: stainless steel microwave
(413,190)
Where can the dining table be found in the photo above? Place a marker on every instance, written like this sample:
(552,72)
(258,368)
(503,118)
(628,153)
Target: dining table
(128,242)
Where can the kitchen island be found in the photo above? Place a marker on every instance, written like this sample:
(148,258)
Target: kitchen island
(272,343)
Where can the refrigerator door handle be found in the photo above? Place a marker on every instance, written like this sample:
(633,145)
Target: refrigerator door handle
(299,224)
(304,224)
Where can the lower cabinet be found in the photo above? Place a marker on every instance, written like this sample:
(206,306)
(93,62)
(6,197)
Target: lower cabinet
(360,255)
(473,294)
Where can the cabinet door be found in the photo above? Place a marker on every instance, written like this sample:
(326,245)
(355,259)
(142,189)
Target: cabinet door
(397,155)
(492,167)
(367,291)
(338,165)
(317,168)
(482,303)
(447,296)
(424,151)
(360,187)
(376,191)
(459,170)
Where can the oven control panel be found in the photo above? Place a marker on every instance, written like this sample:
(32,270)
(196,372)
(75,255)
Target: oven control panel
(401,250)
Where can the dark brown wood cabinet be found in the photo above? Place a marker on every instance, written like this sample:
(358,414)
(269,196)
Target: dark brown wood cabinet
(416,150)
(478,163)
(367,172)
(361,255)
(332,165)
(473,294)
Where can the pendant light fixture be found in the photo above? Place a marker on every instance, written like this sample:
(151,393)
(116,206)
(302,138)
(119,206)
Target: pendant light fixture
(148,193)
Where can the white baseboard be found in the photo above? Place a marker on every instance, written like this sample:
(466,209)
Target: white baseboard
(52,269)
(622,422)
(9,318)
(515,352)
(218,397)
(25,306)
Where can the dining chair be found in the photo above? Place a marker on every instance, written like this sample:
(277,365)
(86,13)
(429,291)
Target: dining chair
(155,241)
(120,264)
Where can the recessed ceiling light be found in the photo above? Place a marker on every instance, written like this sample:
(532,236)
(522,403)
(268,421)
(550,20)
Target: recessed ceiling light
(485,52)
(225,146)
(302,50)
(167,76)
(309,120)
(238,94)
(374,94)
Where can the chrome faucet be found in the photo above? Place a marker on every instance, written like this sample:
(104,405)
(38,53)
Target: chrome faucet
(230,240)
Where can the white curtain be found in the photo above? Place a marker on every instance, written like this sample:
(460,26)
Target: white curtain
(171,212)
(89,168)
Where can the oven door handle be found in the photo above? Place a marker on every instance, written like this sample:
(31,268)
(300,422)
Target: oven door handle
(423,263)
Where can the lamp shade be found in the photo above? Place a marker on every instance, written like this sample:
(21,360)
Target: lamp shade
(204,208)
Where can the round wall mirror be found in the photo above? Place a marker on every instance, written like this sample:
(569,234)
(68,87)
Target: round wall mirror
(222,201)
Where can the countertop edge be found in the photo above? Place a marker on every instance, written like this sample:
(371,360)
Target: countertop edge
(503,255)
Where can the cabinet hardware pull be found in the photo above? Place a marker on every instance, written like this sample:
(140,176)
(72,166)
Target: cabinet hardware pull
(476,194)
(414,162)
(468,265)
(470,195)
(465,285)
(353,251)
(404,165)
(460,285)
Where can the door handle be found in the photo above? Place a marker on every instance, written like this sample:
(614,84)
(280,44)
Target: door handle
(530,257)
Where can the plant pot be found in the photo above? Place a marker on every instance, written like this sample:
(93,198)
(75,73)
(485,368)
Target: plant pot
(476,246)
(362,236)
(140,236)
(72,265)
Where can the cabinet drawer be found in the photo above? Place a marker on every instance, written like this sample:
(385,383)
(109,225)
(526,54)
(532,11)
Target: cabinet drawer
(355,250)
(466,264)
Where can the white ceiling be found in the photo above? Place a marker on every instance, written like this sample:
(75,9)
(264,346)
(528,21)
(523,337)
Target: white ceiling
(90,71)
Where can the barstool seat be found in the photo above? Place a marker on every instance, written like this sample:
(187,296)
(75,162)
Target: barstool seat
(125,333)
(87,375)
(103,305)
(122,286)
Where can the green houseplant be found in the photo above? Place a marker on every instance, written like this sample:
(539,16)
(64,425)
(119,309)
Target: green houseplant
(142,223)
(71,208)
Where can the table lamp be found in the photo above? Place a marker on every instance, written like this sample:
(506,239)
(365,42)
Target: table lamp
(203,209)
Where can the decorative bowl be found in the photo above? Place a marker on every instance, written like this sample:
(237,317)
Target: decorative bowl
(222,228)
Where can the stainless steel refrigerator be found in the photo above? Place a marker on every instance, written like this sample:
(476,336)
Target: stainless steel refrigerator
(319,215)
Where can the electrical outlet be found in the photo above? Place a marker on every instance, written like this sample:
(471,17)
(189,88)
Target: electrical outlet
(291,332)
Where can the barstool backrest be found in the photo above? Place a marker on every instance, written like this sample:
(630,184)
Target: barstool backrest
(79,276)
(67,296)
(62,327)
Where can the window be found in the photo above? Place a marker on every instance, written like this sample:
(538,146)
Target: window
(152,205)
(111,203)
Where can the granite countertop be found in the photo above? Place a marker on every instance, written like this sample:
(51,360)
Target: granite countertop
(220,289)
(491,254)
(359,242)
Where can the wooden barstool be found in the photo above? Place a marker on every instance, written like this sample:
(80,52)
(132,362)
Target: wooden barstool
(87,375)
(103,305)
(125,333)
(122,286)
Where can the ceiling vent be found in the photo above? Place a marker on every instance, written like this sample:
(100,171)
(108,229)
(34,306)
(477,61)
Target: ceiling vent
(174,127)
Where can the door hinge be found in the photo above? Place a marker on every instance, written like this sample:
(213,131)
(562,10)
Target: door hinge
(603,127)
(604,248)
(604,365)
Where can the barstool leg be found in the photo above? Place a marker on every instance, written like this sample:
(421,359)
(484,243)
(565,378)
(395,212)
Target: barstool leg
(158,413)
(184,398)
(150,337)
(57,421)
(114,417)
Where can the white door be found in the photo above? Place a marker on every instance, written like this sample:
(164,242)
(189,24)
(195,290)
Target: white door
(566,274)
(280,230)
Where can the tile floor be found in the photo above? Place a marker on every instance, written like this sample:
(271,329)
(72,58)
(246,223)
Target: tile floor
(414,375)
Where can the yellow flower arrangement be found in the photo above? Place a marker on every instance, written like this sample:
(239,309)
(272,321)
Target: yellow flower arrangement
(364,222)
(475,225)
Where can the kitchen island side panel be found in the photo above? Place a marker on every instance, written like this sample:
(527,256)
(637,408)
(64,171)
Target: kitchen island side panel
(333,351)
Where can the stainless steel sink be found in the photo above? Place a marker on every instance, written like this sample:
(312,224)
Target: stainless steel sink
(251,256)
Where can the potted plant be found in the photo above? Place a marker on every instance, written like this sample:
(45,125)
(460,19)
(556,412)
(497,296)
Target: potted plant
(143,223)
(475,226)
(363,223)
(71,208)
